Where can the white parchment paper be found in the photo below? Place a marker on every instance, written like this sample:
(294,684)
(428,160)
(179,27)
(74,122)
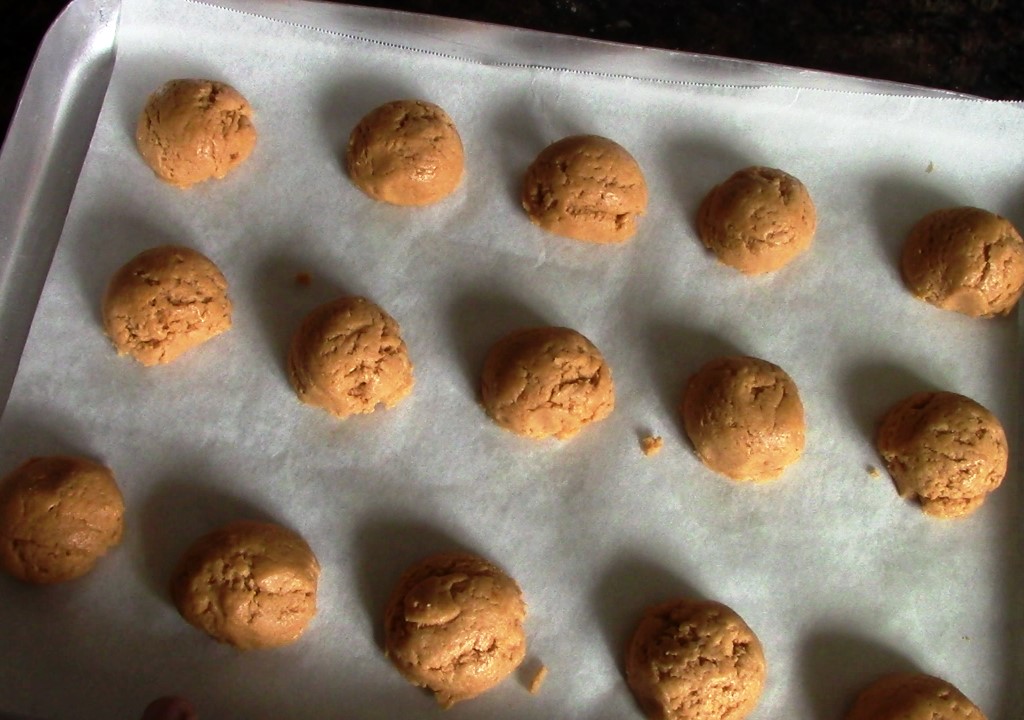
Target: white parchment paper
(840,579)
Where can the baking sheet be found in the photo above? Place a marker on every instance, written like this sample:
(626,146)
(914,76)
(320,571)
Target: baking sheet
(839,579)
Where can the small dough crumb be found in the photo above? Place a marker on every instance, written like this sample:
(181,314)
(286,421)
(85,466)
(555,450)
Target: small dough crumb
(930,168)
(303,279)
(873,471)
(651,445)
(538,679)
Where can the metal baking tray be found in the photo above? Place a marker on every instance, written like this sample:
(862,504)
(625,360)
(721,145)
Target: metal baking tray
(50,135)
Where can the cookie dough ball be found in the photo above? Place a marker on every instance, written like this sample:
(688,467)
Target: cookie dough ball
(586,187)
(695,660)
(165,301)
(58,516)
(944,450)
(965,259)
(546,382)
(758,220)
(912,696)
(454,625)
(194,130)
(348,357)
(744,418)
(406,152)
(249,584)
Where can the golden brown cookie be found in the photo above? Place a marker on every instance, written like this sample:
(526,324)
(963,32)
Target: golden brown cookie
(454,625)
(758,220)
(165,301)
(695,660)
(58,516)
(546,382)
(586,187)
(944,450)
(249,584)
(744,418)
(965,259)
(348,357)
(406,152)
(912,696)
(195,130)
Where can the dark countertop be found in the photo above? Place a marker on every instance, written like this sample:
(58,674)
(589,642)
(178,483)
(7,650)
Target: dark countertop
(972,46)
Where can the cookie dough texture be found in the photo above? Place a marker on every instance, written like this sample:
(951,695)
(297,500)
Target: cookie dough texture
(965,259)
(163,302)
(912,696)
(454,625)
(744,417)
(586,187)
(695,660)
(406,152)
(195,130)
(546,382)
(944,450)
(758,220)
(348,357)
(249,584)
(58,516)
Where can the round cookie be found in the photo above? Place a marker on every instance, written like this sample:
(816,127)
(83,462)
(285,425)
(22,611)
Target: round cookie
(695,660)
(249,584)
(454,625)
(744,418)
(348,357)
(163,302)
(195,130)
(546,382)
(944,450)
(406,152)
(965,259)
(758,220)
(912,696)
(58,516)
(586,187)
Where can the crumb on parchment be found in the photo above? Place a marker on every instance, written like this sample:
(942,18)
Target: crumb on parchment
(538,679)
(651,444)
(930,168)
(873,471)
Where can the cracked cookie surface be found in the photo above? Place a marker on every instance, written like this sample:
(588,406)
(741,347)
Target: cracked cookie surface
(406,152)
(744,417)
(193,130)
(944,450)
(912,696)
(758,220)
(695,660)
(585,187)
(546,382)
(454,625)
(966,260)
(163,302)
(249,584)
(58,516)
(348,357)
